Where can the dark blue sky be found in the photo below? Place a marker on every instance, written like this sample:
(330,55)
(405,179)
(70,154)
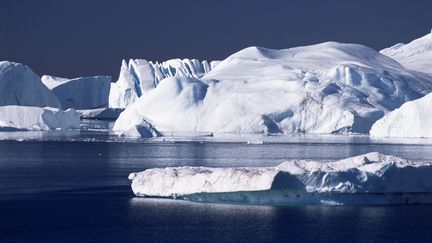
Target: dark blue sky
(78,38)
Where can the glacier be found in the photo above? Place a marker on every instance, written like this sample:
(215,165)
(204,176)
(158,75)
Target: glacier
(80,93)
(19,85)
(325,88)
(412,119)
(416,55)
(139,76)
(371,178)
(24,118)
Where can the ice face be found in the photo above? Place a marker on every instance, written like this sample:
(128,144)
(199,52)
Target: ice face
(19,85)
(178,96)
(325,88)
(36,118)
(139,128)
(80,93)
(412,119)
(139,76)
(376,176)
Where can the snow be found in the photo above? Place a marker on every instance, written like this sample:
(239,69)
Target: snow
(367,178)
(324,88)
(37,118)
(139,76)
(412,119)
(176,181)
(19,85)
(80,93)
(416,55)
(101,113)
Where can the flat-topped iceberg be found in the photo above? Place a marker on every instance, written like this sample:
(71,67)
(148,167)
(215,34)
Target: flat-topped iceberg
(412,119)
(24,118)
(80,93)
(19,85)
(371,178)
(139,76)
(325,88)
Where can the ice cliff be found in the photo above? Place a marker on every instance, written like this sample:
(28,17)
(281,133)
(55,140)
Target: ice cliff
(412,119)
(80,93)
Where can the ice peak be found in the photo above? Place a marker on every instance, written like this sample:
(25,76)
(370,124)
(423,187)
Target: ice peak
(139,76)
(416,55)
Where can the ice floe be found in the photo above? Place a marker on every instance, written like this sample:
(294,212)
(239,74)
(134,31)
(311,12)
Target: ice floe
(371,178)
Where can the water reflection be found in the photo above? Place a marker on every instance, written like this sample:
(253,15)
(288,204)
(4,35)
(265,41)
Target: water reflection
(243,223)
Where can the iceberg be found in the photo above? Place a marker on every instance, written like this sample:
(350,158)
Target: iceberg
(371,178)
(416,55)
(412,119)
(139,76)
(19,85)
(322,89)
(23,118)
(80,93)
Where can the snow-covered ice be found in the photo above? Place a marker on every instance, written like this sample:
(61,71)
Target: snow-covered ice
(178,181)
(139,76)
(324,88)
(37,118)
(368,178)
(80,93)
(19,85)
(416,55)
(412,119)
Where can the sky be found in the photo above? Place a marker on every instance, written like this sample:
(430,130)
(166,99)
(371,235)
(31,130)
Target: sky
(91,37)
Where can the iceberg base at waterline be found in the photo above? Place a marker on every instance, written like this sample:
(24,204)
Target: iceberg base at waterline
(369,179)
(288,197)
(101,113)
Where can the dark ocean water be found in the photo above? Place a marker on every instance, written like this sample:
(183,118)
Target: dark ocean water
(63,191)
